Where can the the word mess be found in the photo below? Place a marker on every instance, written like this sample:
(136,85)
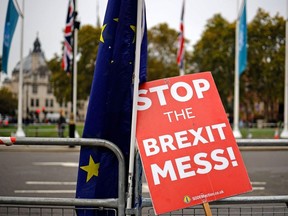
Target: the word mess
(202,163)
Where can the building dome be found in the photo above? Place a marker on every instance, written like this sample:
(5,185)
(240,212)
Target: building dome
(35,61)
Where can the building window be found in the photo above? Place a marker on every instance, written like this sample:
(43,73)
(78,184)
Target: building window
(35,77)
(32,102)
(49,88)
(47,103)
(34,88)
(37,102)
(51,103)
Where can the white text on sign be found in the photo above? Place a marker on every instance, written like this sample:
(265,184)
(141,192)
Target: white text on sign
(199,85)
(183,139)
(185,167)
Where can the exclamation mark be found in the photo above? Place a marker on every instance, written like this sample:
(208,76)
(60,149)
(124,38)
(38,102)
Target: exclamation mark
(232,156)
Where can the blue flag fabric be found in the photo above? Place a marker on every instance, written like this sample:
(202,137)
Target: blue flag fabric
(242,57)
(109,111)
(10,25)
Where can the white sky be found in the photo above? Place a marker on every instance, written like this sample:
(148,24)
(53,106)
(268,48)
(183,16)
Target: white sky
(47,18)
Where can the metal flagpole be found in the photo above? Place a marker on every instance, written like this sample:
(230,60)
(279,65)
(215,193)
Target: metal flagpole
(135,100)
(98,22)
(284,133)
(20,132)
(236,131)
(75,41)
(182,61)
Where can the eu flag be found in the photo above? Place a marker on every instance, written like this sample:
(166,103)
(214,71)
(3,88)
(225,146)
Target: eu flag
(242,59)
(110,106)
(10,25)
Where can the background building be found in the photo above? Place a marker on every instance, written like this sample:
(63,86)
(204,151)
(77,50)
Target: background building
(39,102)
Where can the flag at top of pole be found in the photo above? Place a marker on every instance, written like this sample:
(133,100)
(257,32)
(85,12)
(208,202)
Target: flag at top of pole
(68,36)
(10,25)
(242,39)
(181,48)
(109,113)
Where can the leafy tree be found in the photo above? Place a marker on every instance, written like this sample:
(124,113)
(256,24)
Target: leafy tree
(162,51)
(215,52)
(263,79)
(8,102)
(265,73)
(88,41)
(61,81)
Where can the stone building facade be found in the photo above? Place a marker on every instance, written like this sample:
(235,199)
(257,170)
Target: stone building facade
(39,102)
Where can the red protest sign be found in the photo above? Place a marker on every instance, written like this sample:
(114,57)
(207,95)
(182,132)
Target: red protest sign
(186,144)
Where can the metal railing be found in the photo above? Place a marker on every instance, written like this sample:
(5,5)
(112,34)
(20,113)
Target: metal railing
(262,142)
(242,205)
(238,205)
(118,203)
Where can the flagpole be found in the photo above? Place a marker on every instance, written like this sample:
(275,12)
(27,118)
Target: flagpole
(284,133)
(236,131)
(98,22)
(20,132)
(75,41)
(135,100)
(181,41)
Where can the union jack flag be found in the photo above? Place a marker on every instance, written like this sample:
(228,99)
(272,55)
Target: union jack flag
(68,34)
(180,53)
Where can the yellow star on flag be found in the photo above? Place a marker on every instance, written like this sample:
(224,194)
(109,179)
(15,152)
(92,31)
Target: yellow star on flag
(133,27)
(101,35)
(91,169)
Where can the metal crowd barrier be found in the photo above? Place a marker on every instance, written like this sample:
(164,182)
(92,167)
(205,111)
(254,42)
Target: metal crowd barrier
(241,205)
(233,206)
(262,142)
(36,206)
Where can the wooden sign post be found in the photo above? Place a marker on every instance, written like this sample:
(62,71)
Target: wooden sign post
(207,209)
(186,144)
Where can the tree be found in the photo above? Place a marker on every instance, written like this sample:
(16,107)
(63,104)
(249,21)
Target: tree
(264,76)
(88,41)
(162,51)
(61,81)
(8,102)
(215,52)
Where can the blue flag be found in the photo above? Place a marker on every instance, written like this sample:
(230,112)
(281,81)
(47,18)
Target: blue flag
(10,25)
(242,57)
(109,111)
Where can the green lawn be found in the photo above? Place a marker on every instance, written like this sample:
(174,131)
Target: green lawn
(51,131)
(263,133)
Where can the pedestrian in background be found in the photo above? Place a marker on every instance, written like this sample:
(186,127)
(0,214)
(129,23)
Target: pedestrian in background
(61,124)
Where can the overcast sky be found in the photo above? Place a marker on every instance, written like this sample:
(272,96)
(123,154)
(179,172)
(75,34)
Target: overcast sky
(47,18)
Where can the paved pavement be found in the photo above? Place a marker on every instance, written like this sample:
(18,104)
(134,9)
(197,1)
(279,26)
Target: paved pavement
(77,148)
